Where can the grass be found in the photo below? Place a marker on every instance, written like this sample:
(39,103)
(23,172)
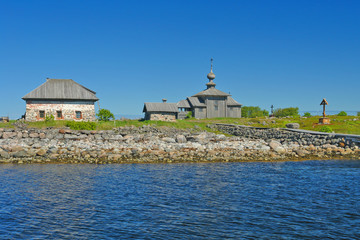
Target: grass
(339,124)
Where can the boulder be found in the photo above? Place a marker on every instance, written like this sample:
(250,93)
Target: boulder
(19,154)
(7,135)
(301,152)
(168,140)
(181,139)
(33,135)
(4,154)
(293,125)
(277,146)
(41,152)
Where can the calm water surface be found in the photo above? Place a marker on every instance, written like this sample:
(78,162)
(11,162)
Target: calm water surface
(283,200)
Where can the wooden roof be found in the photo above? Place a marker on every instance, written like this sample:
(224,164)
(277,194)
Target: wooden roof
(160,107)
(232,102)
(195,102)
(211,92)
(184,104)
(61,89)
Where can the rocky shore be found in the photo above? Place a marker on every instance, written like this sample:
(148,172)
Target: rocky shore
(151,145)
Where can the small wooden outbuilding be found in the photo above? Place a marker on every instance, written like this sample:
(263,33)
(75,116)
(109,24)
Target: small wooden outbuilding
(160,111)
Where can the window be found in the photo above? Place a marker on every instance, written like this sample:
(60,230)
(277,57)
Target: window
(200,110)
(78,114)
(59,114)
(41,114)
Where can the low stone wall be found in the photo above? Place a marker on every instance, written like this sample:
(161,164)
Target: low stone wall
(301,137)
(149,145)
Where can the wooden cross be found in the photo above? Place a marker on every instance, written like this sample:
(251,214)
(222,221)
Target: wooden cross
(324,103)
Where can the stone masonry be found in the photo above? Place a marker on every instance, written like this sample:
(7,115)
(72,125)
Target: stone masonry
(68,110)
(162,116)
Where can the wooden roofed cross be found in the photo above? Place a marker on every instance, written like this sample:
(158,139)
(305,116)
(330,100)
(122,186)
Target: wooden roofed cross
(324,103)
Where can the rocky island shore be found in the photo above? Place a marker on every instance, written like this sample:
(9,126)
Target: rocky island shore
(149,144)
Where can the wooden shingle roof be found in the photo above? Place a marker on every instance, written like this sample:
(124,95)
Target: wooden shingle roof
(184,104)
(195,102)
(232,102)
(160,107)
(211,92)
(61,89)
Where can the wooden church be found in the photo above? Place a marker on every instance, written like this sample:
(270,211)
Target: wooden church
(209,103)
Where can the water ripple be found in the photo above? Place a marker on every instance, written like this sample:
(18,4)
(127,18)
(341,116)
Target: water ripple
(285,200)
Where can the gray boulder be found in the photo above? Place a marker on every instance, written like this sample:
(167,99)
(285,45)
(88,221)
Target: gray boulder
(293,125)
(181,139)
(168,140)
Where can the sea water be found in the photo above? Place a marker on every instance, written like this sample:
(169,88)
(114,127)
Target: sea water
(255,200)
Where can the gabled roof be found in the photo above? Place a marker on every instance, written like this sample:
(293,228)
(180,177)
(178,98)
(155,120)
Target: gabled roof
(160,107)
(211,92)
(184,104)
(64,89)
(232,102)
(195,102)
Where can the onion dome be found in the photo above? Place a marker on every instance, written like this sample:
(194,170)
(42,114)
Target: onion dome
(211,75)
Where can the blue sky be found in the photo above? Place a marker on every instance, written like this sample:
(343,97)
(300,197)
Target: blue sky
(285,53)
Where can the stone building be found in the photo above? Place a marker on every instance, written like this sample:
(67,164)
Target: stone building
(209,103)
(161,111)
(64,99)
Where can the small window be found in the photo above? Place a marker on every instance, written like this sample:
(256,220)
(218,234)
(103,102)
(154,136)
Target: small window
(41,114)
(59,114)
(200,110)
(78,114)
(216,107)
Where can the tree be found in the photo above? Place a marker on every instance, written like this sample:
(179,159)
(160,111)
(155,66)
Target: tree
(284,112)
(342,113)
(252,112)
(105,115)
(307,114)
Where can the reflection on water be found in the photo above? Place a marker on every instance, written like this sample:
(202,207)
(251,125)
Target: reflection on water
(292,200)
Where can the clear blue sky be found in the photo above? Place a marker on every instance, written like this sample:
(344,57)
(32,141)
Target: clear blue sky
(285,53)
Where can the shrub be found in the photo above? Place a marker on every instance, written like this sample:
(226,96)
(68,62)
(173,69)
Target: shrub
(105,115)
(49,118)
(326,129)
(358,113)
(284,112)
(307,114)
(342,113)
(252,112)
(189,114)
(81,125)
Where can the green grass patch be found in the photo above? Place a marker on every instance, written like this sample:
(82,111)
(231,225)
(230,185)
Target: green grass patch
(81,125)
(339,124)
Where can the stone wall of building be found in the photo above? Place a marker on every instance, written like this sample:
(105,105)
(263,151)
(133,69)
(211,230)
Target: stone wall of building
(68,110)
(161,116)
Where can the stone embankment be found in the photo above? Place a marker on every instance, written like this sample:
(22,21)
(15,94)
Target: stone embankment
(149,144)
